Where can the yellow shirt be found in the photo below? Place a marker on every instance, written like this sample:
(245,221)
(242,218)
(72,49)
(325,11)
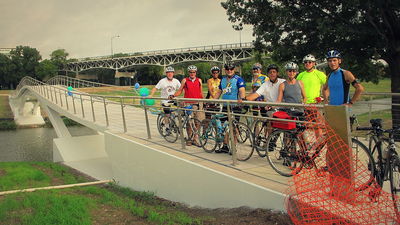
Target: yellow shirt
(260,79)
(214,84)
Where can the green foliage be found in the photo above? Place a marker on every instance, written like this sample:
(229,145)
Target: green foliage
(45,207)
(25,60)
(361,30)
(46,70)
(6,69)
(7,125)
(59,58)
(21,175)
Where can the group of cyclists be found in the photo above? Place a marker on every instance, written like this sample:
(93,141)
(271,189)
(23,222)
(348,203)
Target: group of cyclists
(305,87)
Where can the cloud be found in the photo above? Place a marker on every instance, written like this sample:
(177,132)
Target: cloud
(85,27)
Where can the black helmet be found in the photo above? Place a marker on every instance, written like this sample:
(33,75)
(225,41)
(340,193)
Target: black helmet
(271,67)
(229,65)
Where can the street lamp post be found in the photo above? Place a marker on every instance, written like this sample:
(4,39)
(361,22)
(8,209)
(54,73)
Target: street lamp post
(112,53)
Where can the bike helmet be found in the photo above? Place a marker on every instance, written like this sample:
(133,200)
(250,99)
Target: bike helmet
(169,69)
(291,66)
(229,65)
(192,67)
(272,67)
(333,54)
(257,66)
(309,57)
(215,68)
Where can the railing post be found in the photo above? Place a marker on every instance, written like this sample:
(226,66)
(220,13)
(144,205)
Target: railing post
(147,119)
(370,108)
(231,136)
(180,125)
(91,102)
(55,95)
(73,103)
(66,99)
(51,94)
(83,111)
(105,111)
(123,114)
(59,92)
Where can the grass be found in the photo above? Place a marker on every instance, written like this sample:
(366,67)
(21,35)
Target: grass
(79,205)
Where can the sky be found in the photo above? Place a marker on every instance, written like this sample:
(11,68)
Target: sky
(84,28)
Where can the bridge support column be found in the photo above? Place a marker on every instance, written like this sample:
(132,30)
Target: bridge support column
(26,111)
(58,123)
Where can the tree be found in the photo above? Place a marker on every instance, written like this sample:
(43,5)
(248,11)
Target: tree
(59,58)
(46,69)
(6,69)
(362,30)
(24,60)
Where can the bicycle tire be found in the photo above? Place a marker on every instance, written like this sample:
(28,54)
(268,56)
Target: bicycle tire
(208,136)
(194,124)
(171,135)
(244,141)
(159,125)
(394,178)
(363,159)
(282,152)
(260,132)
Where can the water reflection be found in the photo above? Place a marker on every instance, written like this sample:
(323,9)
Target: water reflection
(35,144)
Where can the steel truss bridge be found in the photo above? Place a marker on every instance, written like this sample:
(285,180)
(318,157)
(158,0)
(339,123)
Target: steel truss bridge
(212,53)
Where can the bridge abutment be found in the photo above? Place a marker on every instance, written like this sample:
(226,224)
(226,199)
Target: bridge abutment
(26,111)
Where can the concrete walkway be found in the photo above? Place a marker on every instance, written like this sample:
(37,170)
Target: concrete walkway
(373,106)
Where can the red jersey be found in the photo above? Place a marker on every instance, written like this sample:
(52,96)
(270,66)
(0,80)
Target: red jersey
(192,88)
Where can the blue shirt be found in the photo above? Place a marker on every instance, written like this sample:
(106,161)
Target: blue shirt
(230,89)
(338,88)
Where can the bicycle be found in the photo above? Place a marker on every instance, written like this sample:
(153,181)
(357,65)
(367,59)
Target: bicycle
(213,134)
(168,128)
(385,163)
(288,151)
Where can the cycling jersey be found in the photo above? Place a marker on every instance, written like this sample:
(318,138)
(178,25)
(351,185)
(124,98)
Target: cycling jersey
(230,89)
(168,87)
(192,88)
(215,84)
(338,88)
(260,79)
(312,83)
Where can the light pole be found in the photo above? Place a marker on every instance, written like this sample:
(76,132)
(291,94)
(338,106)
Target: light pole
(112,53)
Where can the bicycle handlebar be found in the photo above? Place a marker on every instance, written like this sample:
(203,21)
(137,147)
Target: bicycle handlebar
(364,128)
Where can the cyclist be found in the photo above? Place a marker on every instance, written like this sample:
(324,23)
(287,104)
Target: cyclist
(168,85)
(339,80)
(291,90)
(213,84)
(312,79)
(257,76)
(232,87)
(269,89)
(192,86)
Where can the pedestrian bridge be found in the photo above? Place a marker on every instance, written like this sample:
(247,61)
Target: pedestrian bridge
(129,149)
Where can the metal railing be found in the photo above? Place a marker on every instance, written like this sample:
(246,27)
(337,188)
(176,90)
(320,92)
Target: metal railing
(175,51)
(116,112)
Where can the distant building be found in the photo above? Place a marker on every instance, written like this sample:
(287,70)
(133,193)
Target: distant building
(6,51)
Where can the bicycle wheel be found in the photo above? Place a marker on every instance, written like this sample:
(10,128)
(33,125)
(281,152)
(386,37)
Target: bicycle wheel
(364,165)
(243,141)
(208,136)
(260,137)
(394,178)
(283,152)
(160,126)
(171,131)
(192,131)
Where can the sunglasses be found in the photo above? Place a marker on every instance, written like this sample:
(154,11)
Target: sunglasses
(192,71)
(291,70)
(308,62)
(215,72)
(255,68)
(229,68)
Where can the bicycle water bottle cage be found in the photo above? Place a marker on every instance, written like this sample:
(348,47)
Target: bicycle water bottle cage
(187,112)
(376,122)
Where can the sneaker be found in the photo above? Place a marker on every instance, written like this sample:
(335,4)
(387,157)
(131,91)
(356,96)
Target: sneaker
(196,143)
(188,143)
(224,149)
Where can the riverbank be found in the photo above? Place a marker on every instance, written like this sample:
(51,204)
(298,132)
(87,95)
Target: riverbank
(102,204)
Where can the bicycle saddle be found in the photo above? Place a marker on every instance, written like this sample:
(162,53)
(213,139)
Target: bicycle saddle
(376,122)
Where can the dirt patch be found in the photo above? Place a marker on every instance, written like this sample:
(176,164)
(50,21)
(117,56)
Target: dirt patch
(2,172)
(105,214)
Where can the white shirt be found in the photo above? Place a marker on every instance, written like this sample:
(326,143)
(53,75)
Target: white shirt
(168,87)
(270,90)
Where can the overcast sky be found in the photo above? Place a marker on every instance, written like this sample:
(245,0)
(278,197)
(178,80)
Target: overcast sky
(85,27)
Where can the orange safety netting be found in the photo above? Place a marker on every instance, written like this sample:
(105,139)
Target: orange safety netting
(334,184)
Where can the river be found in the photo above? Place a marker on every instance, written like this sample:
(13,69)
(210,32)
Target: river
(34,144)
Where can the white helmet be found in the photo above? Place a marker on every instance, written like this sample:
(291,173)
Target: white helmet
(169,69)
(192,67)
(291,66)
(215,68)
(309,57)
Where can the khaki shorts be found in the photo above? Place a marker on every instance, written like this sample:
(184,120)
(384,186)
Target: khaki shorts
(199,115)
